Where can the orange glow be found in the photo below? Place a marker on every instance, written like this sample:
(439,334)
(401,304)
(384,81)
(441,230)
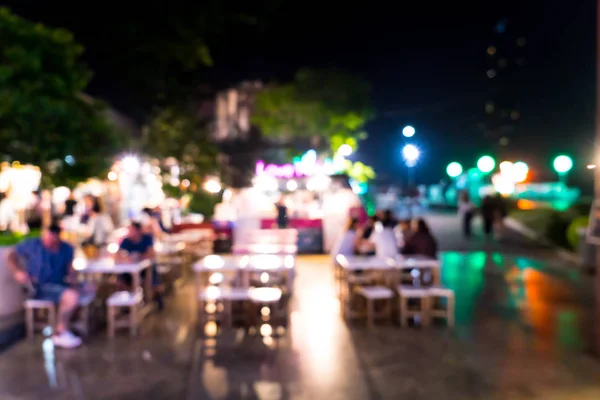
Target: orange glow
(523,204)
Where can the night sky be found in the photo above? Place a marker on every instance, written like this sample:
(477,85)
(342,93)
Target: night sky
(426,62)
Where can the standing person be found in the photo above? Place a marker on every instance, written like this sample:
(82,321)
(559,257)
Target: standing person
(466,209)
(44,265)
(501,214)
(282,214)
(488,213)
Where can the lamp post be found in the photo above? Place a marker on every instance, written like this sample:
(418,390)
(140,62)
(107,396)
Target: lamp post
(411,154)
(562,165)
(486,164)
(454,170)
(408,131)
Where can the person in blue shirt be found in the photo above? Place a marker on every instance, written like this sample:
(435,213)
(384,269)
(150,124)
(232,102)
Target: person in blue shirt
(44,265)
(135,247)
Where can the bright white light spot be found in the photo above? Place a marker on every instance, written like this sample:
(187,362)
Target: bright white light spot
(454,169)
(112,176)
(213,261)
(345,150)
(265,311)
(591,166)
(79,263)
(563,164)
(291,185)
(131,164)
(185,183)
(519,172)
(113,248)
(266,330)
(486,164)
(408,131)
(264,277)
(411,153)
(212,186)
(216,278)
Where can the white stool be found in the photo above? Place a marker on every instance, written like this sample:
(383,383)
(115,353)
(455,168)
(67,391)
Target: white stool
(43,305)
(267,297)
(448,312)
(224,295)
(404,312)
(372,294)
(127,300)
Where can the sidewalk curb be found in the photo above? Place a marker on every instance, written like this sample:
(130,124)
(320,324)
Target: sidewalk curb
(532,235)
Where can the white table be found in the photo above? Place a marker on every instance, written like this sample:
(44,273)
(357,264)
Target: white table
(421,263)
(245,265)
(108,266)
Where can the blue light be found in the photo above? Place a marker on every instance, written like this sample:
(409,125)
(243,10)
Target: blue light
(70,160)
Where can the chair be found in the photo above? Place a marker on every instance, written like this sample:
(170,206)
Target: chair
(132,301)
(41,306)
(438,292)
(407,293)
(372,294)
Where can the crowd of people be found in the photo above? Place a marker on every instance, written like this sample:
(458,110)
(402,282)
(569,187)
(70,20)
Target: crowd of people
(383,235)
(492,210)
(44,265)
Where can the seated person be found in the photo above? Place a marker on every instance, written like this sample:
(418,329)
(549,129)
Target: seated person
(421,242)
(384,237)
(402,232)
(135,247)
(364,245)
(152,223)
(44,265)
(346,244)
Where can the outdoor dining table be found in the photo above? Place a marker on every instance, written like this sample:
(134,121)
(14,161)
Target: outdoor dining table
(391,268)
(244,266)
(108,266)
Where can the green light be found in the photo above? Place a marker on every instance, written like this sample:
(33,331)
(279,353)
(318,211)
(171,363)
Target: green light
(562,164)
(454,169)
(486,164)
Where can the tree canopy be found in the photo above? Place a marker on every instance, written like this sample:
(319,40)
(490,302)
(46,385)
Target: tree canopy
(180,134)
(326,104)
(44,118)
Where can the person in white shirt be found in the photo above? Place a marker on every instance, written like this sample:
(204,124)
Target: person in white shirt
(466,209)
(99,226)
(386,244)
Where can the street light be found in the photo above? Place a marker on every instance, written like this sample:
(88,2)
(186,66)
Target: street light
(519,171)
(486,164)
(454,169)
(562,165)
(411,153)
(408,131)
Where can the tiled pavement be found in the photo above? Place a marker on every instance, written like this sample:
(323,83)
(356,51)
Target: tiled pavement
(523,332)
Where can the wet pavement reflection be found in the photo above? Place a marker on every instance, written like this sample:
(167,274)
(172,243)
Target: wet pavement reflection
(522,331)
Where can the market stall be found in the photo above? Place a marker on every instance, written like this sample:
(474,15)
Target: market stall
(317,203)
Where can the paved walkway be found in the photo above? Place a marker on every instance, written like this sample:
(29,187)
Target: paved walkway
(522,332)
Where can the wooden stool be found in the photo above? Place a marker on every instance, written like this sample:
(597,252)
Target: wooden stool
(44,305)
(127,300)
(404,312)
(226,296)
(373,293)
(448,312)
(266,297)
